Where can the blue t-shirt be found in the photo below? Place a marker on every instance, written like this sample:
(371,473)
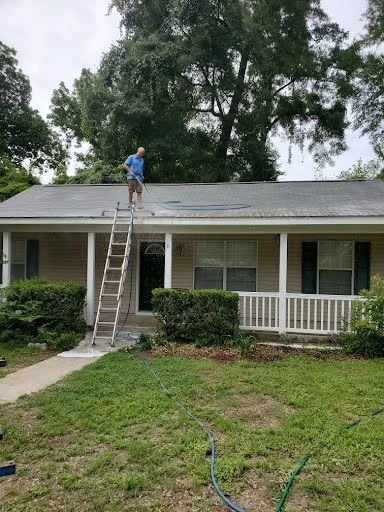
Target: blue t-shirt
(136,164)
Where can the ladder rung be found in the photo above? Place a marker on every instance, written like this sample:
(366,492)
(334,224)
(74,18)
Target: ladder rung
(116,255)
(107,309)
(119,243)
(111,281)
(106,323)
(114,268)
(121,232)
(109,294)
(102,337)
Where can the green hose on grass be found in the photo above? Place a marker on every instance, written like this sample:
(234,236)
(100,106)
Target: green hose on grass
(307,457)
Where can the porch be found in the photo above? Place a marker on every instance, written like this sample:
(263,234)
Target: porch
(274,269)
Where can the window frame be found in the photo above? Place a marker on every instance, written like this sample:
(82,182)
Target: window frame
(225,261)
(352,269)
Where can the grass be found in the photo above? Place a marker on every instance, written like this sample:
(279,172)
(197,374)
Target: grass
(19,356)
(108,438)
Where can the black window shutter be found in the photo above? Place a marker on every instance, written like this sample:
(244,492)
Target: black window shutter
(362,266)
(32,258)
(309,267)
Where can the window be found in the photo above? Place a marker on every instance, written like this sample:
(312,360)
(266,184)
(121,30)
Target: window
(335,268)
(227,265)
(24,259)
(18,259)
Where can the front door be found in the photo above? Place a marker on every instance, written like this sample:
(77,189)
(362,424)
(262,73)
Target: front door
(151,272)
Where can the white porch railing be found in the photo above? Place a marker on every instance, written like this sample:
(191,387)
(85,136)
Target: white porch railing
(259,311)
(305,313)
(319,314)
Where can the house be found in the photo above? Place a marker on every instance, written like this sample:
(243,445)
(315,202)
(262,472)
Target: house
(297,253)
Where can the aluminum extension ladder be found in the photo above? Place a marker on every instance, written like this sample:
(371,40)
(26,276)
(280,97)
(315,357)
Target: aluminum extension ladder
(115,272)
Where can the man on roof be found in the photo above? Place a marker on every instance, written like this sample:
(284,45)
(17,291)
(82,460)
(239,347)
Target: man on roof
(134,165)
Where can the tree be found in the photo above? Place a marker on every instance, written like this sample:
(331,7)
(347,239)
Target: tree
(371,170)
(24,135)
(369,104)
(13,179)
(207,84)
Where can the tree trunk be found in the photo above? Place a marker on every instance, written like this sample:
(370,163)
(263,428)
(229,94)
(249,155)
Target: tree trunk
(228,121)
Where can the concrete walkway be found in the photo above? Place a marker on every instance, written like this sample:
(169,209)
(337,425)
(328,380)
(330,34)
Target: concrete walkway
(36,377)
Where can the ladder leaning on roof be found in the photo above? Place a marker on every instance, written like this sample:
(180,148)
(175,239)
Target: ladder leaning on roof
(115,272)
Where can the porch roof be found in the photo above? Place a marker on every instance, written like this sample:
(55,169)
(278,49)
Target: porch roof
(215,201)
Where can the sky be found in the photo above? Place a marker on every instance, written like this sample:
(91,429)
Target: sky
(55,40)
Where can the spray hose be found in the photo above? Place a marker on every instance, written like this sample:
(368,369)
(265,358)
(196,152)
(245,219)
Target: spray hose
(196,420)
(310,454)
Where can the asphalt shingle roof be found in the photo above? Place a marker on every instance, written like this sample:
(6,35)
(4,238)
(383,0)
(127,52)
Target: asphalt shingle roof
(259,199)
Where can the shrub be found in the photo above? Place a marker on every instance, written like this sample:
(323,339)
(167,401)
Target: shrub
(206,317)
(367,335)
(58,340)
(34,304)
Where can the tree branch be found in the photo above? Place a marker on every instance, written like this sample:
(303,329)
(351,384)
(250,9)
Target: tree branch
(215,96)
(210,110)
(283,87)
(190,82)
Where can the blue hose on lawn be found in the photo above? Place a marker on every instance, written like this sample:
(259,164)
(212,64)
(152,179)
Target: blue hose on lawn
(196,420)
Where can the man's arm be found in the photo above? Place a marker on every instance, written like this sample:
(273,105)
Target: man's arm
(128,168)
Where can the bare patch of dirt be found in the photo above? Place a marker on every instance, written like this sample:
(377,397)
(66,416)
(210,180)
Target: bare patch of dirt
(256,410)
(298,501)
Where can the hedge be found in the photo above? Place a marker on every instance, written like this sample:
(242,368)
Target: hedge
(34,306)
(206,317)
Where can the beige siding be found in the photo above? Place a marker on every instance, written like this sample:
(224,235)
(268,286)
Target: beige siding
(62,256)
(267,264)
(294,255)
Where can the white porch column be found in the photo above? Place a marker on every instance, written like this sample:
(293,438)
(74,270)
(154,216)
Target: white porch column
(168,261)
(6,257)
(90,307)
(283,282)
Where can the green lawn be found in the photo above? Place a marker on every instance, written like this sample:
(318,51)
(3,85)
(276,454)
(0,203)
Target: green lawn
(108,438)
(18,356)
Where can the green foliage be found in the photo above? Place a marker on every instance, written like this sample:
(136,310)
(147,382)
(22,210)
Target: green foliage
(363,171)
(59,340)
(206,85)
(369,104)
(375,21)
(206,317)
(367,336)
(244,342)
(52,312)
(23,132)
(13,179)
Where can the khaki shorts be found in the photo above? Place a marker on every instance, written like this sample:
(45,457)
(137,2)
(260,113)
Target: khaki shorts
(135,186)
